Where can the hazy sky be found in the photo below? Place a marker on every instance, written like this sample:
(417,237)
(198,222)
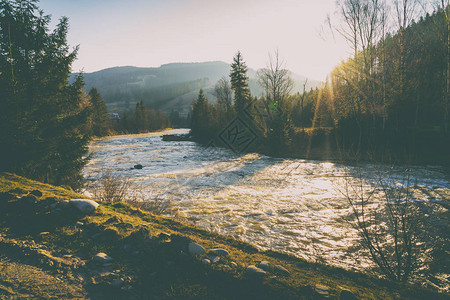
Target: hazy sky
(148,33)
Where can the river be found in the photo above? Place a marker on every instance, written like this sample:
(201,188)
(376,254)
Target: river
(294,206)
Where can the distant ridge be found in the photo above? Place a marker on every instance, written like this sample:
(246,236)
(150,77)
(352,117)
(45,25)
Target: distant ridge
(171,86)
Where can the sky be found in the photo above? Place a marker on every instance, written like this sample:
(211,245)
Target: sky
(149,33)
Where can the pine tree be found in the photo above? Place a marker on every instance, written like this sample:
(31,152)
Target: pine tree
(142,117)
(239,83)
(99,114)
(201,122)
(42,116)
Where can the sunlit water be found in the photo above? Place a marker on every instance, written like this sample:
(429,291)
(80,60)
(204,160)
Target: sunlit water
(291,205)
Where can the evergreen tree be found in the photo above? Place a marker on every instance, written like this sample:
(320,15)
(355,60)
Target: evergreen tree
(42,116)
(99,114)
(202,121)
(239,83)
(142,117)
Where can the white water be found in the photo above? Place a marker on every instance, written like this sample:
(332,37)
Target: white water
(290,205)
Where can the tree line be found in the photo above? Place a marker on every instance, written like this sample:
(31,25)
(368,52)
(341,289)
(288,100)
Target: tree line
(390,99)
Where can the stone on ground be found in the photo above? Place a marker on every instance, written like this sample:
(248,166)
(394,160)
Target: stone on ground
(195,249)
(102,257)
(84,205)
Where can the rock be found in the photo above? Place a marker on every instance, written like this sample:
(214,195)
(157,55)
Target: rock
(233,264)
(163,236)
(44,233)
(322,290)
(138,166)
(214,259)
(347,295)
(264,265)
(80,224)
(84,205)
(102,257)
(219,252)
(255,271)
(206,261)
(37,193)
(280,270)
(195,249)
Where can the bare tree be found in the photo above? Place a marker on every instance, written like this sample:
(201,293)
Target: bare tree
(276,81)
(302,98)
(362,24)
(224,94)
(387,221)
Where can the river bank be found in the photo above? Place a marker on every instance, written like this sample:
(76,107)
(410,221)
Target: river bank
(145,257)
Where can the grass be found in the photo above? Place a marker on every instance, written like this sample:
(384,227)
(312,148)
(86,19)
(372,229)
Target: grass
(145,263)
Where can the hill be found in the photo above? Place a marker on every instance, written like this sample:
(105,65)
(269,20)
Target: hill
(170,86)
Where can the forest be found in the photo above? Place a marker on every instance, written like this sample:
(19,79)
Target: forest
(46,120)
(388,102)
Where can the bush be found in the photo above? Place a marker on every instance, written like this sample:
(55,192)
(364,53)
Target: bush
(114,189)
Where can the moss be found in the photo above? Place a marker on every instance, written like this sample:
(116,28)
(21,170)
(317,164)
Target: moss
(156,267)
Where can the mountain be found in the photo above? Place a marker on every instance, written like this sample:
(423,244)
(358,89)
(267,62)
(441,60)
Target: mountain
(170,86)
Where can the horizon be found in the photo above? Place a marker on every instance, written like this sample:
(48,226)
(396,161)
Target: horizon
(186,63)
(155,33)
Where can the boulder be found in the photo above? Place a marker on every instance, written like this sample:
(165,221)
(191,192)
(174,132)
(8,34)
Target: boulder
(163,236)
(322,290)
(84,205)
(280,270)
(264,265)
(206,261)
(218,252)
(138,166)
(255,271)
(195,249)
(102,257)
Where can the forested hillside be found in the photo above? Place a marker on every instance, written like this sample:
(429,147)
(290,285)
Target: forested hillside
(171,86)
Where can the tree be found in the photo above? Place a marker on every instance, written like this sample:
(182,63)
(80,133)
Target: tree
(202,126)
(142,118)
(99,114)
(389,228)
(42,115)
(224,94)
(277,83)
(239,83)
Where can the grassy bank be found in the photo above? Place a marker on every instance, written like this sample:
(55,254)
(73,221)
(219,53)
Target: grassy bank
(47,250)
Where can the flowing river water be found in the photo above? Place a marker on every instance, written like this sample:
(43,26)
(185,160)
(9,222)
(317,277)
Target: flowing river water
(294,206)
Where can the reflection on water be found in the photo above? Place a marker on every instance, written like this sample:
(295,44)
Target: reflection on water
(290,205)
